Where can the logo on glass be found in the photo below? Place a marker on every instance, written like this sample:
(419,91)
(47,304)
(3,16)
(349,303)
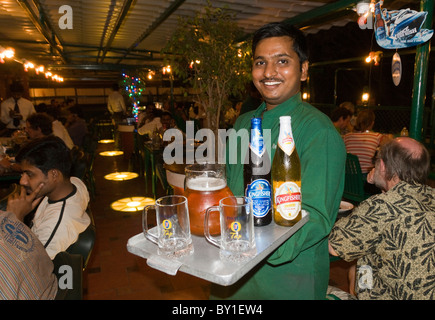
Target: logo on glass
(167,226)
(236,228)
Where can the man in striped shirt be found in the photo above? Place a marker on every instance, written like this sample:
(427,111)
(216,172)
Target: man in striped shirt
(26,271)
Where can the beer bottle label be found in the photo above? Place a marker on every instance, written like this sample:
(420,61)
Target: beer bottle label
(260,192)
(257,144)
(288,200)
(286,142)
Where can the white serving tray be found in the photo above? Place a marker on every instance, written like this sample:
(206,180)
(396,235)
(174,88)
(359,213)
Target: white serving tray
(205,262)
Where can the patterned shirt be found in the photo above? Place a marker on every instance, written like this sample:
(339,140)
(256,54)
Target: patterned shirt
(363,145)
(26,271)
(392,236)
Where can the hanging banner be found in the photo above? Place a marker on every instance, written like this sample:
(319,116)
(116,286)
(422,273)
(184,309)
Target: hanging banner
(396,69)
(397,29)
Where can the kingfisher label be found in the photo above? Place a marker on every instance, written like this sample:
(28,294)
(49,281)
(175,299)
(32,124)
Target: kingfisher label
(286,142)
(288,200)
(260,192)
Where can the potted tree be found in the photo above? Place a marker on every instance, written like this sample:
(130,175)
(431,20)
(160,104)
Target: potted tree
(206,52)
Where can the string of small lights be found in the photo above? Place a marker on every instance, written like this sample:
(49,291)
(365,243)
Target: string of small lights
(9,53)
(133,87)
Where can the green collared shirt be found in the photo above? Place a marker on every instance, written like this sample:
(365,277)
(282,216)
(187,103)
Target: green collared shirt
(305,254)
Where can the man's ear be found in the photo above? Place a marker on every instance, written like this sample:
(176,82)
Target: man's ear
(381,166)
(304,70)
(54,174)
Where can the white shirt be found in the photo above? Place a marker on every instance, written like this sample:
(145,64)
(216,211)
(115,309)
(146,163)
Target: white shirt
(26,109)
(60,131)
(74,221)
(115,102)
(149,127)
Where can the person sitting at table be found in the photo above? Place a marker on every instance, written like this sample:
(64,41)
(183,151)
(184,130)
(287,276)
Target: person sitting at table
(59,129)
(363,142)
(168,122)
(16,109)
(76,126)
(25,267)
(150,122)
(340,117)
(61,214)
(351,107)
(391,234)
(42,125)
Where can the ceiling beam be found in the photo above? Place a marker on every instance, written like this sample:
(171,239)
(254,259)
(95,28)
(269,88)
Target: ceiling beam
(74,45)
(119,22)
(97,67)
(44,28)
(306,18)
(168,12)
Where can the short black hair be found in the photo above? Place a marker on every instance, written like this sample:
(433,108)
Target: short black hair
(339,112)
(16,87)
(76,110)
(167,113)
(47,153)
(41,120)
(282,29)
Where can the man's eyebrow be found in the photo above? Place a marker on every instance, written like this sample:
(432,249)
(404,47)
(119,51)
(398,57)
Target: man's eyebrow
(278,55)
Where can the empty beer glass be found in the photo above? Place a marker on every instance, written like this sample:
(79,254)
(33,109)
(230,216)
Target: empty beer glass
(237,239)
(173,233)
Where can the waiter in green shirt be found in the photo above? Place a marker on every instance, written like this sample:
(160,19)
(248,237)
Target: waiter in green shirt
(299,268)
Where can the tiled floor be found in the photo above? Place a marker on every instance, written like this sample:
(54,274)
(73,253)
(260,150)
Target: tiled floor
(113,272)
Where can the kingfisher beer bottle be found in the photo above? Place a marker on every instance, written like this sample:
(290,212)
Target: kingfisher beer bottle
(256,174)
(286,177)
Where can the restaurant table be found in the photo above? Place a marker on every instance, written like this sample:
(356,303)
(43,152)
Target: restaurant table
(205,263)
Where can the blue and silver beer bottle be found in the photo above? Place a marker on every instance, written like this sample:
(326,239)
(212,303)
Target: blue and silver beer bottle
(257,176)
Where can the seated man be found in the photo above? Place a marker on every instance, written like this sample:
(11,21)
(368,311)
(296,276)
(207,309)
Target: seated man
(150,122)
(340,117)
(26,271)
(61,215)
(41,125)
(168,122)
(76,126)
(391,234)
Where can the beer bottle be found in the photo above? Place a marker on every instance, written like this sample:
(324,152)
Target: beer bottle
(380,23)
(286,177)
(256,174)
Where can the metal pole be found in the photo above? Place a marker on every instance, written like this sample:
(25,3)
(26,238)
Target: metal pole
(420,76)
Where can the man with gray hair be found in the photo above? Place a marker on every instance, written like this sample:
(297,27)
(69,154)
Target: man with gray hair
(391,235)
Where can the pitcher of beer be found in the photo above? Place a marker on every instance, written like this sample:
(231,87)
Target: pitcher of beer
(204,186)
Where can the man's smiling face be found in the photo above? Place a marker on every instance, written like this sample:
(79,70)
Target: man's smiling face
(277,72)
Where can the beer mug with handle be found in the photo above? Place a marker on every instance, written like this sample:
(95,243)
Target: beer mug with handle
(173,228)
(237,239)
(204,186)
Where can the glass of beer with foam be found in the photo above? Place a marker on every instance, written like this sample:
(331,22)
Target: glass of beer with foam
(204,186)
